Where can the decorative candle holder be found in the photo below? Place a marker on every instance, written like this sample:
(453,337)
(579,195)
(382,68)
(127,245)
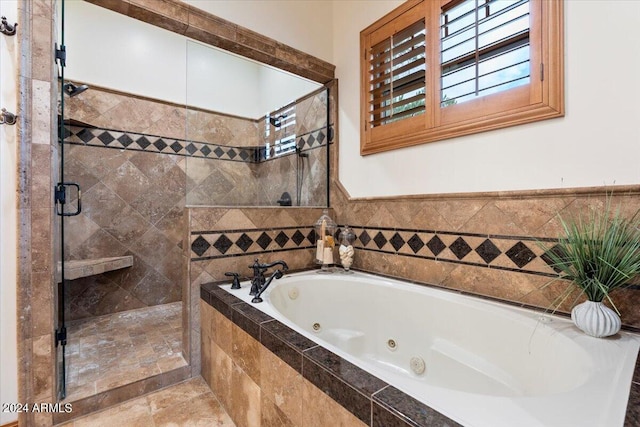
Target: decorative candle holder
(347,237)
(325,229)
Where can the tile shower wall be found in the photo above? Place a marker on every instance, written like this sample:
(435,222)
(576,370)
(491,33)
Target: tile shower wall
(134,183)
(488,245)
(261,179)
(132,204)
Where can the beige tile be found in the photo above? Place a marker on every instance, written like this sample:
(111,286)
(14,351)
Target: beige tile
(221,331)
(246,353)
(221,375)
(132,413)
(319,410)
(281,386)
(245,399)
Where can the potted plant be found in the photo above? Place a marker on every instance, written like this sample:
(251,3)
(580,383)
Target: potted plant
(598,254)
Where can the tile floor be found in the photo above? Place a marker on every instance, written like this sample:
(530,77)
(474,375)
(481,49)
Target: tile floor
(190,403)
(116,349)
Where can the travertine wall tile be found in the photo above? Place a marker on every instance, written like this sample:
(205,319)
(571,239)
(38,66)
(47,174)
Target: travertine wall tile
(281,385)
(320,410)
(245,399)
(246,353)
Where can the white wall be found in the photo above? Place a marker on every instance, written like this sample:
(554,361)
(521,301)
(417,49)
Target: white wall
(8,216)
(108,49)
(303,24)
(596,143)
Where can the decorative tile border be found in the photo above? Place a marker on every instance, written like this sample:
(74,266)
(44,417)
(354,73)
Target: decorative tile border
(123,140)
(367,397)
(520,254)
(207,245)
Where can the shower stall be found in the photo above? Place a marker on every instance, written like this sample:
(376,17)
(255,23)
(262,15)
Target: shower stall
(132,163)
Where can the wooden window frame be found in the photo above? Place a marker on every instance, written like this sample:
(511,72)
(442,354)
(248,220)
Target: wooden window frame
(541,99)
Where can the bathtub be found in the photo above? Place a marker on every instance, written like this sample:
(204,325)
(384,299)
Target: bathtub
(478,362)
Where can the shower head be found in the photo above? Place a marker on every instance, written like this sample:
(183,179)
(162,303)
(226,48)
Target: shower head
(73,90)
(276,121)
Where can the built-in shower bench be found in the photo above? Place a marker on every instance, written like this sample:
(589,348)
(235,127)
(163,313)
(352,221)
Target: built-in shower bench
(75,269)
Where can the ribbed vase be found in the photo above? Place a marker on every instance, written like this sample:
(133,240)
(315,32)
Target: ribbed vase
(596,319)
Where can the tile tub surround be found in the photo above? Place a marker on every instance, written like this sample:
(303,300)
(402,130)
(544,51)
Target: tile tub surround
(484,244)
(291,376)
(270,235)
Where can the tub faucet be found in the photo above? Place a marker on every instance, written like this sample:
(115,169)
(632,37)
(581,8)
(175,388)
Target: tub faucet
(259,283)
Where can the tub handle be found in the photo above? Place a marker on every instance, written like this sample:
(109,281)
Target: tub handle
(235,284)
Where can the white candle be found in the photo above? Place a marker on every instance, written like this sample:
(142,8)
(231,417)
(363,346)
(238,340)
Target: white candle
(328,256)
(320,250)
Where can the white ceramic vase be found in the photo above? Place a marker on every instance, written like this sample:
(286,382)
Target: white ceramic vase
(596,319)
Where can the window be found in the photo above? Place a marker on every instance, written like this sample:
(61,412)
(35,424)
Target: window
(433,70)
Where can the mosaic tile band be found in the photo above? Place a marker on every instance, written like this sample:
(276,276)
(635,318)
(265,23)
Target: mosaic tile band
(522,254)
(99,137)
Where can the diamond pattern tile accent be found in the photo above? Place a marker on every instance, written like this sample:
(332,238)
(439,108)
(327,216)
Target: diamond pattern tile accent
(176,147)
(281,239)
(159,144)
(545,257)
(244,242)
(297,237)
(264,240)
(223,244)
(106,138)
(85,135)
(135,141)
(397,241)
(143,142)
(436,245)
(200,245)
(205,150)
(520,254)
(415,243)
(125,140)
(460,248)
(364,238)
(380,240)
(312,237)
(488,251)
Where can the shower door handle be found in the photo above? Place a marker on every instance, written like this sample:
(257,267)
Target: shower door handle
(61,198)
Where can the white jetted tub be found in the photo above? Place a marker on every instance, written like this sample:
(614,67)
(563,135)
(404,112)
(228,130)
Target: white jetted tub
(481,363)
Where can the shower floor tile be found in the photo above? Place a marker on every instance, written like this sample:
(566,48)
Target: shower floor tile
(190,403)
(117,349)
